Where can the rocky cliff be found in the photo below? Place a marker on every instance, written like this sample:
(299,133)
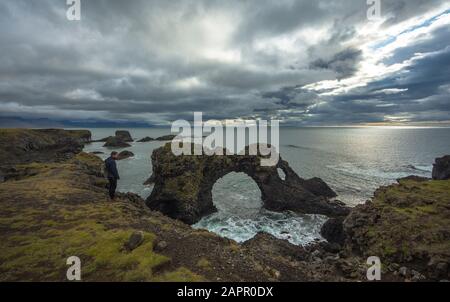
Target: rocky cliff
(54,205)
(407,225)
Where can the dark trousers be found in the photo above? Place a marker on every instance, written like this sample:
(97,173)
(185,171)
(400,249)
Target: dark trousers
(112,186)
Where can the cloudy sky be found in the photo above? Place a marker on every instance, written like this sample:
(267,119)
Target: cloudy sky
(303,62)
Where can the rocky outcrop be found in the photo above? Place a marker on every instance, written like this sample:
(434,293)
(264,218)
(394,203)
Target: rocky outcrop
(115,142)
(40,145)
(102,140)
(124,135)
(124,155)
(166,138)
(407,225)
(183,185)
(441,168)
(146,139)
(333,230)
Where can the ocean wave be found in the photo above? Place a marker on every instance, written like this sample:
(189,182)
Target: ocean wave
(297,229)
(298,147)
(422,168)
(369,173)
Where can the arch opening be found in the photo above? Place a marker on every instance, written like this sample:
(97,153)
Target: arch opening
(240,214)
(237,194)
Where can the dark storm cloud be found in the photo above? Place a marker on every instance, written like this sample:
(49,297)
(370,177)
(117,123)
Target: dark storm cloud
(420,93)
(344,63)
(161,60)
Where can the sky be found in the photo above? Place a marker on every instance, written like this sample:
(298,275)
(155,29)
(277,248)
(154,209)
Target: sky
(151,62)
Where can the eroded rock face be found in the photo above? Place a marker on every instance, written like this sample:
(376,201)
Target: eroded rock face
(124,155)
(333,230)
(39,145)
(406,224)
(146,139)
(166,137)
(124,135)
(183,185)
(441,168)
(115,142)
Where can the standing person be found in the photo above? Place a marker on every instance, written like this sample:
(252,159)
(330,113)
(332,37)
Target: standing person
(112,173)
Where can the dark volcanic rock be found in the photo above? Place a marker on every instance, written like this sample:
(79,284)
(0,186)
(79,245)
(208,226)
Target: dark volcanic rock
(115,142)
(318,187)
(124,155)
(183,185)
(40,145)
(441,168)
(124,135)
(102,140)
(166,138)
(414,178)
(160,246)
(135,240)
(146,139)
(333,230)
(406,223)
(150,181)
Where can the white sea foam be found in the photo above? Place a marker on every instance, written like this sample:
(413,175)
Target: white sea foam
(297,229)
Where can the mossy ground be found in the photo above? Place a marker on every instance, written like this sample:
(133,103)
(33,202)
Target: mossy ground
(52,211)
(61,211)
(410,223)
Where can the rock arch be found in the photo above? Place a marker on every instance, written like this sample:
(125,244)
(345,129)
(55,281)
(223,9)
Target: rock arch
(183,185)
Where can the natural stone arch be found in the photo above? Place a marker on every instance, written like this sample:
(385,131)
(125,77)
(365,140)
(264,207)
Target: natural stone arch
(183,185)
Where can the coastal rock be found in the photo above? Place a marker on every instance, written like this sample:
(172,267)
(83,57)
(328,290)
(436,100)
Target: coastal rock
(124,135)
(333,230)
(135,240)
(183,185)
(124,155)
(146,139)
(149,181)
(441,168)
(318,187)
(160,246)
(406,223)
(115,142)
(102,140)
(166,138)
(40,145)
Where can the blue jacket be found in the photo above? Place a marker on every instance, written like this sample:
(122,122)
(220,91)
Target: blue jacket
(111,168)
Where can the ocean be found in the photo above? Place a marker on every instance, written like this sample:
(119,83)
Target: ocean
(354,161)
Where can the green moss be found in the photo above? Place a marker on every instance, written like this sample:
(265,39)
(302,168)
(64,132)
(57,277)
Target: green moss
(204,264)
(413,220)
(180,275)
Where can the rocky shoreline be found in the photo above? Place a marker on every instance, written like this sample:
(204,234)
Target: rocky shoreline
(53,204)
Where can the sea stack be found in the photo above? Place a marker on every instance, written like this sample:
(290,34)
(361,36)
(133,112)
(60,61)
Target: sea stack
(441,168)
